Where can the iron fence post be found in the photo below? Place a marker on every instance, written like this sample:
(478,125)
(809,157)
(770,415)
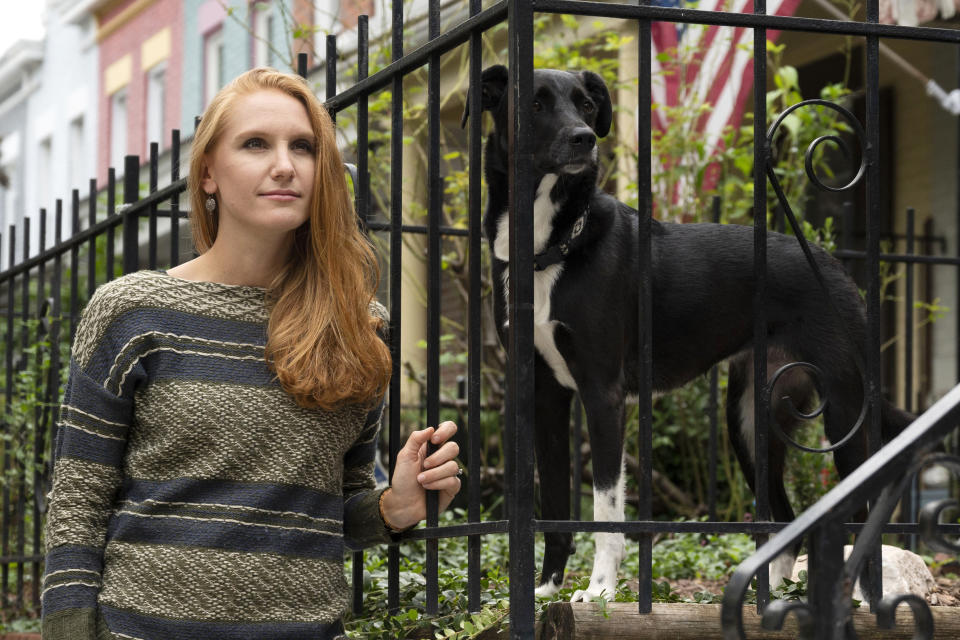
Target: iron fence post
(39,414)
(92,246)
(713,409)
(74,264)
(909,496)
(475,348)
(828,598)
(302,63)
(175,199)
(131,222)
(645,316)
(56,292)
(331,75)
(434,214)
(396,282)
(520,400)
(761,399)
(8,411)
(361,188)
(111,231)
(22,436)
(873,576)
(152,209)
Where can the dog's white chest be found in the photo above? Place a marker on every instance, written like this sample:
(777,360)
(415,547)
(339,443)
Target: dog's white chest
(543,213)
(543,326)
(543,281)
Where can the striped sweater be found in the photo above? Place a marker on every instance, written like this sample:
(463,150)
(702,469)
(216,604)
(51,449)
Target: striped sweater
(192,498)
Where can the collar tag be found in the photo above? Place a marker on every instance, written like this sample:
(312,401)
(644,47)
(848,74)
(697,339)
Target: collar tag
(577,227)
(556,253)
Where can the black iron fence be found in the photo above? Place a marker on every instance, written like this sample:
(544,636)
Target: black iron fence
(45,292)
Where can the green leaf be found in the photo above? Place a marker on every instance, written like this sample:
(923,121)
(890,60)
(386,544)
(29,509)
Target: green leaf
(570,21)
(787,77)
(793,124)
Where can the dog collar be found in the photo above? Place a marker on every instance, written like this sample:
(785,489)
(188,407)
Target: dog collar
(556,253)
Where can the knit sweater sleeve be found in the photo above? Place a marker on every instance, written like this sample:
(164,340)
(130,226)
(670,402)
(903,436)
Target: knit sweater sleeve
(362,522)
(94,419)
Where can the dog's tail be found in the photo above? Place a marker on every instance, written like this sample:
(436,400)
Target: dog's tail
(893,420)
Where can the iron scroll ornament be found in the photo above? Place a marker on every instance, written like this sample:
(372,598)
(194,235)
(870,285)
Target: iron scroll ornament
(814,371)
(929,516)
(775,615)
(776,612)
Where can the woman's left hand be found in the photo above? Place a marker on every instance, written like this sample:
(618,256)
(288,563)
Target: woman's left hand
(405,502)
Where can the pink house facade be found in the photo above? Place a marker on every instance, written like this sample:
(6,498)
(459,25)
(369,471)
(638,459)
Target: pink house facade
(141,63)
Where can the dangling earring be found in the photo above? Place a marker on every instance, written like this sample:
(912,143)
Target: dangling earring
(211,204)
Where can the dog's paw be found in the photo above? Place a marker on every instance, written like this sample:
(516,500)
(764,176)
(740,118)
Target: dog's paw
(593,592)
(546,590)
(550,585)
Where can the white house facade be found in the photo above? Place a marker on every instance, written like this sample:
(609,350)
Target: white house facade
(62,119)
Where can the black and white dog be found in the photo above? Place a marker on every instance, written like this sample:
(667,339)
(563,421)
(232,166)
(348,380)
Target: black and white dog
(586,315)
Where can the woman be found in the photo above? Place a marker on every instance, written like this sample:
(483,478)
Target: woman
(219,427)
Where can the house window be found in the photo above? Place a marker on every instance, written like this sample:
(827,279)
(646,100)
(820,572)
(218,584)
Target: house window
(212,65)
(118,129)
(262,34)
(156,94)
(75,154)
(44,165)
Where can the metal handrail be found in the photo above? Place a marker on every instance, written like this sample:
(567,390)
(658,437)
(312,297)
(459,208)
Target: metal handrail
(830,580)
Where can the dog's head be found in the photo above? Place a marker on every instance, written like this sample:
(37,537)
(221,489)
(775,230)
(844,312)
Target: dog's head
(571,110)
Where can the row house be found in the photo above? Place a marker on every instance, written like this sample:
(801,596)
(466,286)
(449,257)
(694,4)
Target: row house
(19,71)
(62,127)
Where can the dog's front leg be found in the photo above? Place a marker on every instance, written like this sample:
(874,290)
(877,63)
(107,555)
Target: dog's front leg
(605,418)
(553,465)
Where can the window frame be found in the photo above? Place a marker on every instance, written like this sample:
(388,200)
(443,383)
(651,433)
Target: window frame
(155,105)
(119,144)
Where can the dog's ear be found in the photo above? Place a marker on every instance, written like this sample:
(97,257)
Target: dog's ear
(598,92)
(493,83)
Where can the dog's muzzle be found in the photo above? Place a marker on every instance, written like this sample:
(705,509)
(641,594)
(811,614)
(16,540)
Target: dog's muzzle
(582,140)
(574,149)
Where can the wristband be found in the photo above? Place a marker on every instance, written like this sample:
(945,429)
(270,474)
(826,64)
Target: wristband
(383,516)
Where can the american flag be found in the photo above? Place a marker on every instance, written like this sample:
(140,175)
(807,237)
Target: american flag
(706,65)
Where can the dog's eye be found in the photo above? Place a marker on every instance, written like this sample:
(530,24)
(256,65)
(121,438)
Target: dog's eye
(537,106)
(588,107)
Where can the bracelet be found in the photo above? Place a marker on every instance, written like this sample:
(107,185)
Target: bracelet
(383,516)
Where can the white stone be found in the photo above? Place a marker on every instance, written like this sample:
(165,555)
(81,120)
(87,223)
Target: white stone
(903,572)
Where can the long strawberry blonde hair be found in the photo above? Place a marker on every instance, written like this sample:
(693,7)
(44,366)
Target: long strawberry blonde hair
(322,340)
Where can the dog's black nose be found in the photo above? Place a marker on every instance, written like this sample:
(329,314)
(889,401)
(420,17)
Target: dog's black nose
(583,138)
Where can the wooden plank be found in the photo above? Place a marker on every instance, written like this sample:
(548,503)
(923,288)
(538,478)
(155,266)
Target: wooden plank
(688,621)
